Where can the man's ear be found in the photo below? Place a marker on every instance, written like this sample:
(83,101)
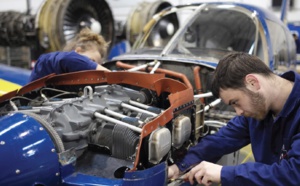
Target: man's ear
(78,49)
(252,82)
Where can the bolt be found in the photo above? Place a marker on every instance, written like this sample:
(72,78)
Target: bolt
(52,150)
(18,171)
(57,174)
(41,128)
(2,143)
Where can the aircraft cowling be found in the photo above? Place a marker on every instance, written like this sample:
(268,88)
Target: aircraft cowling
(29,154)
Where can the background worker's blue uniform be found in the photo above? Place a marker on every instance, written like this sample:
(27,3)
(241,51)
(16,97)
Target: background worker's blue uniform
(60,62)
(275,144)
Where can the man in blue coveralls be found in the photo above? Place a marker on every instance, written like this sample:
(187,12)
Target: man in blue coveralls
(268,108)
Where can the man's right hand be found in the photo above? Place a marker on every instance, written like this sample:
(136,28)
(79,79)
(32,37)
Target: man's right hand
(173,172)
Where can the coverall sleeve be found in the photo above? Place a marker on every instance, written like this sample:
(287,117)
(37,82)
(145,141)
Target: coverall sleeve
(211,148)
(285,172)
(74,63)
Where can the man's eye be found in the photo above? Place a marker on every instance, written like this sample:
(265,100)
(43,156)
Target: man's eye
(234,103)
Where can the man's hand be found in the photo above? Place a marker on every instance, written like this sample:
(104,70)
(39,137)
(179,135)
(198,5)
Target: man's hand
(205,173)
(100,67)
(173,172)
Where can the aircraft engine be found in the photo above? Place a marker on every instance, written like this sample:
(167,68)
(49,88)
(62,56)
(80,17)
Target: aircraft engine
(106,129)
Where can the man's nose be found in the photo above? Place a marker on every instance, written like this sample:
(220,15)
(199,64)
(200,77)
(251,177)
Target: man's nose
(239,111)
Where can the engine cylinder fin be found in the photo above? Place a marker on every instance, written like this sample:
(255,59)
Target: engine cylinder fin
(105,136)
(124,142)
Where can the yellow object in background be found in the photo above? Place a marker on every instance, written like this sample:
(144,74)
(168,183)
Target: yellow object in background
(6,86)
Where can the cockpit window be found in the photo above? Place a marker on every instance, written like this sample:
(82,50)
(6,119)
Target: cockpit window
(220,29)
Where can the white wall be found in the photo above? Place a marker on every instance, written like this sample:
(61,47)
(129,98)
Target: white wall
(122,8)
(20,5)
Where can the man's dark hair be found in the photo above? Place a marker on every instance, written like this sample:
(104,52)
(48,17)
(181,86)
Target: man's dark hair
(232,69)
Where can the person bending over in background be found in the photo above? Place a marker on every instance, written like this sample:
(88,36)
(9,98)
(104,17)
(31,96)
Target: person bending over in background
(297,42)
(268,117)
(84,52)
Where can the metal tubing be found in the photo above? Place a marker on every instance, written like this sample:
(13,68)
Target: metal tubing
(159,70)
(118,115)
(101,116)
(137,68)
(125,105)
(204,95)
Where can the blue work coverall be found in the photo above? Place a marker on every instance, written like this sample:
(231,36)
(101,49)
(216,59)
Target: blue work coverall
(275,144)
(60,62)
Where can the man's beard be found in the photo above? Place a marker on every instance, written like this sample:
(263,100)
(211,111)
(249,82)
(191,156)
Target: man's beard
(258,105)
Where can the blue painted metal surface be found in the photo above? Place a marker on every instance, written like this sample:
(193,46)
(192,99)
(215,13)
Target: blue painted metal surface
(27,153)
(284,10)
(15,75)
(118,49)
(156,175)
(294,27)
(78,179)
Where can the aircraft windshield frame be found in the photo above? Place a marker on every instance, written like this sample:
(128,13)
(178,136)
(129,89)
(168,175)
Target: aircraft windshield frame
(210,28)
